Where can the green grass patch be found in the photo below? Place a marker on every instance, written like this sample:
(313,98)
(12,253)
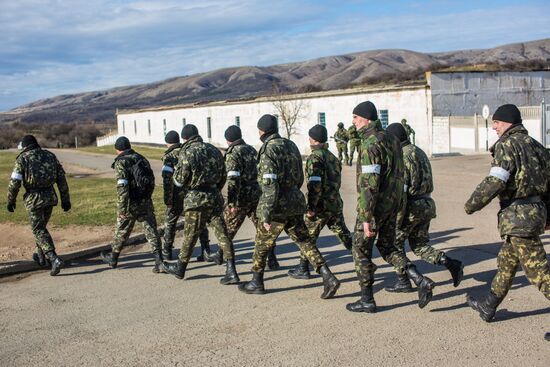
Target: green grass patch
(93,200)
(150,153)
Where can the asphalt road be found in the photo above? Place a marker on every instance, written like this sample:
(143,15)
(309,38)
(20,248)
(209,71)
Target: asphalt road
(94,316)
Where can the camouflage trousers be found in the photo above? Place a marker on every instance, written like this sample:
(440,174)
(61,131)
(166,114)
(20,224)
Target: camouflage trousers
(296,228)
(530,254)
(342,151)
(354,145)
(195,223)
(334,221)
(362,250)
(173,213)
(415,227)
(234,220)
(39,219)
(125,225)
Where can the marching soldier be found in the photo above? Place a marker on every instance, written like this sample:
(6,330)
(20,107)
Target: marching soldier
(408,130)
(38,170)
(354,143)
(341,138)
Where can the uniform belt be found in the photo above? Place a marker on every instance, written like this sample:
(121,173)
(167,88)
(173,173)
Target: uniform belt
(419,197)
(528,200)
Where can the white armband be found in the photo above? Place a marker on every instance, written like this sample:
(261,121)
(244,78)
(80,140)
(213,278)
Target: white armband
(499,173)
(233,174)
(167,169)
(272,176)
(122,182)
(405,188)
(371,168)
(16,176)
(314,178)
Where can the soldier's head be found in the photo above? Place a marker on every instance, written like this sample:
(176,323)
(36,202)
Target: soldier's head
(363,113)
(172,137)
(232,134)
(318,135)
(267,125)
(404,121)
(27,141)
(398,131)
(122,144)
(189,131)
(504,117)
(340,125)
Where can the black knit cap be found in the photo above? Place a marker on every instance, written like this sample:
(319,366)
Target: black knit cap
(122,143)
(340,124)
(189,131)
(508,113)
(366,110)
(268,124)
(318,133)
(28,140)
(172,137)
(233,133)
(399,131)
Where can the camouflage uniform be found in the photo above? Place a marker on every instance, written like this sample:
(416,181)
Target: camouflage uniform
(341,137)
(520,176)
(38,170)
(354,143)
(409,130)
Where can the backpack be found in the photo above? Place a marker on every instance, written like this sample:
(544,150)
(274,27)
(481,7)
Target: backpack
(142,184)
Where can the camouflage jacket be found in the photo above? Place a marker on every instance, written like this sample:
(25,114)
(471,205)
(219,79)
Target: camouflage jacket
(123,173)
(341,136)
(408,129)
(170,161)
(520,169)
(281,175)
(353,135)
(242,175)
(38,170)
(201,175)
(380,173)
(323,174)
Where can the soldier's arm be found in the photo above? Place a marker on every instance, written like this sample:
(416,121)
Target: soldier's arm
(167,180)
(268,174)
(183,172)
(122,176)
(233,171)
(369,181)
(314,174)
(62,186)
(15,183)
(502,168)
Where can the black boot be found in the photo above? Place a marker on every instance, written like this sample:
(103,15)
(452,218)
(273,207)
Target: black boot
(348,244)
(330,283)
(424,285)
(167,252)
(301,271)
(177,268)
(231,276)
(217,257)
(272,263)
(110,258)
(402,285)
(205,251)
(255,286)
(547,337)
(455,267)
(487,307)
(39,258)
(56,262)
(365,303)
(158,268)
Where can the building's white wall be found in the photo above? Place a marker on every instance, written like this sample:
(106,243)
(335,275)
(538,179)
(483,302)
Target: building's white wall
(441,142)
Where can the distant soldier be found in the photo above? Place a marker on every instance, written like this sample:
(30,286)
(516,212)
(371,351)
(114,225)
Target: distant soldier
(324,204)
(38,170)
(354,143)
(243,190)
(409,130)
(380,185)
(135,185)
(200,173)
(282,207)
(341,138)
(173,199)
(417,211)
(520,176)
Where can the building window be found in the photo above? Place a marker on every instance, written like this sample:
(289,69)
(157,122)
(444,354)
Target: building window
(238,121)
(164,126)
(183,121)
(149,126)
(123,128)
(384,117)
(135,127)
(321,119)
(209,127)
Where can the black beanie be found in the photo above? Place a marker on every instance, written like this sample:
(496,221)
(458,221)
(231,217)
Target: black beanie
(340,124)
(28,140)
(189,131)
(366,110)
(122,143)
(508,113)
(318,133)
(172,137)
(268,124)
(233,133)
(398,130)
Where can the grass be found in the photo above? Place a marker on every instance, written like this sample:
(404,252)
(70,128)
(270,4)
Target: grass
(93,200)
(150,153)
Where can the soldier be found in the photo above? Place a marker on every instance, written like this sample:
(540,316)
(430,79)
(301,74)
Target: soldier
(324,204)
(282,207)
(408,129)
(200,173)
(135,184)
(173,198)
(341,137)
(520,176)
(243,191)
(38,170)
(380,188)
(417,211)
(354,143)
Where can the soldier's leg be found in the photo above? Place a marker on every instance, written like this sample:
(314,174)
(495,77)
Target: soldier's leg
(149,224)
(234,219)
(226,244)
(314,227)
(39,220)
(204,240)
(340,151)
(195,221)
(123,229)
(534,262)
(403,284)
(272,263)
(337,224)
(172,215)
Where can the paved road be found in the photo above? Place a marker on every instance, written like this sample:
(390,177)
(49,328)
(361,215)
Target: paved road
(93,316)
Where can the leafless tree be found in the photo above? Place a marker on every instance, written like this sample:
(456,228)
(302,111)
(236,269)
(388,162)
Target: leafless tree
(289,111)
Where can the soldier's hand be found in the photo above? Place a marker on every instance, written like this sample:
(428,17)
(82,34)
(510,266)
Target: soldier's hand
(368,229)
(310,214)
(267,226)
(66,206)
(11,207)
(121,216)
(232,209)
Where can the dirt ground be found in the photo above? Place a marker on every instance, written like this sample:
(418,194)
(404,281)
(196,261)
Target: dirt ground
(90,315)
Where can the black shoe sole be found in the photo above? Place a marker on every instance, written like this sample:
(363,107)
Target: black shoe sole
(299,276)
(364,309)
(256,291)
(402,290)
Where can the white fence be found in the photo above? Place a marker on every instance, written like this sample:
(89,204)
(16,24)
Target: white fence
(108,139)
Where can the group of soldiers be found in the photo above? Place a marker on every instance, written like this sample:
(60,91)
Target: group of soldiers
(394,203)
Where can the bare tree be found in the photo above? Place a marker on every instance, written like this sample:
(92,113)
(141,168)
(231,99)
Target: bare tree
(289,111)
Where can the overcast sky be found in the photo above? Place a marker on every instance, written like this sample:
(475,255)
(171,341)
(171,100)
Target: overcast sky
(52,47)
